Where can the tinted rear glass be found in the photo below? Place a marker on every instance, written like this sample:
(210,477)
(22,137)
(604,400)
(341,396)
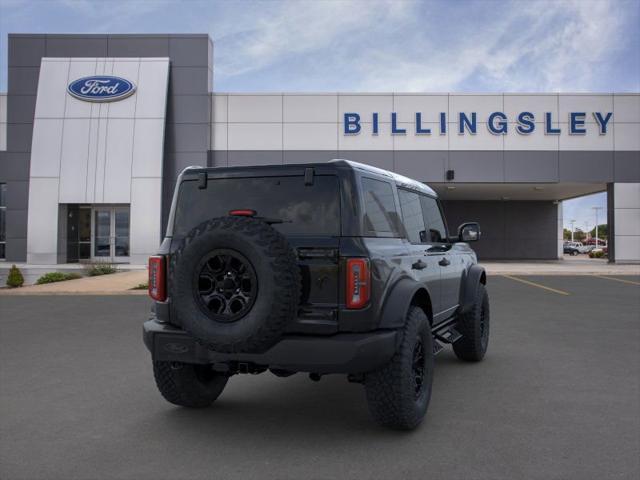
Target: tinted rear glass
(305,209)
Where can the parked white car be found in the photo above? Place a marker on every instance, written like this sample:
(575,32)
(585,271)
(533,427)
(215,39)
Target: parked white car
(579,246)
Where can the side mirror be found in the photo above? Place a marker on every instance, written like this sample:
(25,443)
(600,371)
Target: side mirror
(469,232)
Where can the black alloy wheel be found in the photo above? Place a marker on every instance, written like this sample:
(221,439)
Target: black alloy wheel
(418,367)
(225,285)
(484,327)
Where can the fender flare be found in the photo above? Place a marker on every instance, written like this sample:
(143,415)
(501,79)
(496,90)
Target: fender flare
(475,276)
(399,299)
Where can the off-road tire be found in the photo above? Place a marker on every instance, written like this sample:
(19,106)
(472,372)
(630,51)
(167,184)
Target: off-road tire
(277,276)
(474,328)
(188,385)
(391,395)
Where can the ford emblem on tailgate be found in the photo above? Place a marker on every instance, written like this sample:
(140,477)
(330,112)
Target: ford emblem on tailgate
(174,347)
(101,88)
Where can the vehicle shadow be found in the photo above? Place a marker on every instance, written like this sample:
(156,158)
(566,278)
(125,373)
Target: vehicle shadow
(278,409)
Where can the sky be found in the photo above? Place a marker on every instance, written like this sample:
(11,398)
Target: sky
(581,210)
(377,45)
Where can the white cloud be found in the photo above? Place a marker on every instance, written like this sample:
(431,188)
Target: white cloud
(291,29)
(533,46)
(377,45)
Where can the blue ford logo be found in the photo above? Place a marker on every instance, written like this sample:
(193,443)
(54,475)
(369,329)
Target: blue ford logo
(102,88)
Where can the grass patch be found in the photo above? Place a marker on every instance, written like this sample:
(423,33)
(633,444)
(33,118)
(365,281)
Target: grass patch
(53,277)
(141,286)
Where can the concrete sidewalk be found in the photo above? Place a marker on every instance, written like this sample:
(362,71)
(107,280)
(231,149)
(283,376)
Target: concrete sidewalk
(567,266)
(31,272)
(113,284)
(581,265)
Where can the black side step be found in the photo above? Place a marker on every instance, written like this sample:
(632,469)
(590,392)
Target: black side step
(445,332)
(448,336)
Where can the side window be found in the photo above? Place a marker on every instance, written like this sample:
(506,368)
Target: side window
(380,209)
(412,216)
(433,220)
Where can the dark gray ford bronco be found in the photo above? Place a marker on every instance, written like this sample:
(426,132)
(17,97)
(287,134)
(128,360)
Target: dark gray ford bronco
(321,268)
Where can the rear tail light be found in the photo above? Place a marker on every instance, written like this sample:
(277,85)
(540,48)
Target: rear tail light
(358,282)
(157,278)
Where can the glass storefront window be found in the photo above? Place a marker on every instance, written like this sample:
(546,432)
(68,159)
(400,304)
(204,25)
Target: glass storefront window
(110,232)
(103,233)
(122,233)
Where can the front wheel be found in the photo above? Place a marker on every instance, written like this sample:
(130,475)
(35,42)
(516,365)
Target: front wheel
(398,394)
(188,385)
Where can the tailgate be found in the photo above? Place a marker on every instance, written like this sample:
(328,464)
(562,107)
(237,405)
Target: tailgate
(319,267)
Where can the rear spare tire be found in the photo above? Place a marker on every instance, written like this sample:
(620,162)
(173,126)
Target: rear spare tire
(235,284)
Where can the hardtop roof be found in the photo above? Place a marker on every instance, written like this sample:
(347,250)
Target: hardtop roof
(400,180)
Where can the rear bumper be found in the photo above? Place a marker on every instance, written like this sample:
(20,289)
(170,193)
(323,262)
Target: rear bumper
(340,353)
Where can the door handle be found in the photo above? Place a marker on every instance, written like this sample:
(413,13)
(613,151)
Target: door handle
(419,265)
(444,262)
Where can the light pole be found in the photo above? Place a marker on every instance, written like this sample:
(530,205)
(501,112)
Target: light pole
(586,231)
(572,222)
(596,210)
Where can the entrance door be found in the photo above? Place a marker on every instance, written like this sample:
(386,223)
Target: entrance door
(111,234)
(78,233)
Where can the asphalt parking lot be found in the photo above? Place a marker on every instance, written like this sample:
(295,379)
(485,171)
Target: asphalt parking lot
(558,397)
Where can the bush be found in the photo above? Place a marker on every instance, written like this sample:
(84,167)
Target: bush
(52,277)
(100,269)
(596,254)
(15,278)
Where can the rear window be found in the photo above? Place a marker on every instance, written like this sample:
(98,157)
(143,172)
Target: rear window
(304,209)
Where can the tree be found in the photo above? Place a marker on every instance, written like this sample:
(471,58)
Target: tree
(603,231)
(579,235)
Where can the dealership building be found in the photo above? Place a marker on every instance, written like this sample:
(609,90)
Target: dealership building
(94,130)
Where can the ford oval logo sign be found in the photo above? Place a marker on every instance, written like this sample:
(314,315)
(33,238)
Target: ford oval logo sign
(101,88)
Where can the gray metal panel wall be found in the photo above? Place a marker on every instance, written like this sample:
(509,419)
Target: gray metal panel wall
(510,230)
(188,113)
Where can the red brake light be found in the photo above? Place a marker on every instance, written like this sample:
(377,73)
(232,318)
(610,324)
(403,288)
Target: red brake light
(242,213)
(358,282)
(157,281)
